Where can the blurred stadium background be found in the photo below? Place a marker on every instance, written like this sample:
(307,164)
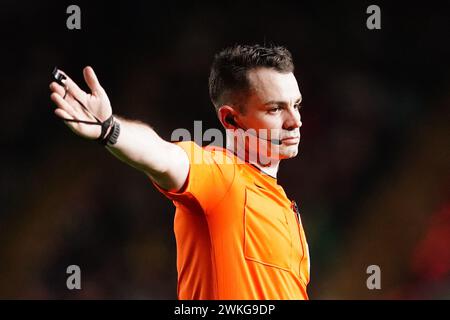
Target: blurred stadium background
(372,177)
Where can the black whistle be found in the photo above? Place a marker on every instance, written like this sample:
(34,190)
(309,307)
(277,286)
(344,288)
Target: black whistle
(58,76)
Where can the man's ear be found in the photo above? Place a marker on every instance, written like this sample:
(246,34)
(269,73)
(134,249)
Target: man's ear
(226,116)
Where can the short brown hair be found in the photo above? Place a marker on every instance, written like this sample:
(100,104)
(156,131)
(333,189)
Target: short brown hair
(228,82)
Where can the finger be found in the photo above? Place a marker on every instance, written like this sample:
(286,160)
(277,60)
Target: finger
(61,113)
(72,108)
(73,88)
(63,104)
(55,87)
(91,80)
(79,111)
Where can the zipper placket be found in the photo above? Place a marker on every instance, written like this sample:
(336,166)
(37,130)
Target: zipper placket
(294,207)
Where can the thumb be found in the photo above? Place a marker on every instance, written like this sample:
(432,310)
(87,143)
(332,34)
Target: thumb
(91,80)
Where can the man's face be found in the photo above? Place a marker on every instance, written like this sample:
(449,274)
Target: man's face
(273,104)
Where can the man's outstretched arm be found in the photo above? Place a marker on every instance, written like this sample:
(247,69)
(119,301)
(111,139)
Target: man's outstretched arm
(138,145)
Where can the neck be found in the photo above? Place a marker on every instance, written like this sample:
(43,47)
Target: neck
(270,170)
(268,166)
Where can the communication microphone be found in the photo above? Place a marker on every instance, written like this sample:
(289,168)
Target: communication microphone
(230,120)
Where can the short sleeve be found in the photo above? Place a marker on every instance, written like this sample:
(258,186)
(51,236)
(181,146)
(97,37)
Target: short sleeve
(211,174)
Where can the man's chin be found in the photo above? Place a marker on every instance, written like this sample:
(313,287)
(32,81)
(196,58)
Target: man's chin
(289,152)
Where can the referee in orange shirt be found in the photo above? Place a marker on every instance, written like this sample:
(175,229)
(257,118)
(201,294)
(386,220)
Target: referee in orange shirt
(238,235)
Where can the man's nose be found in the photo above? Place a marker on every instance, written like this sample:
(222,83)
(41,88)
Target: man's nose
(293,121)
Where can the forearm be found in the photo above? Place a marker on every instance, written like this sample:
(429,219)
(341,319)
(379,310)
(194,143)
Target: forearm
(140,146)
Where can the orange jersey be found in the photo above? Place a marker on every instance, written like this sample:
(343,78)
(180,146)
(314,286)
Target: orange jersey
(237,234)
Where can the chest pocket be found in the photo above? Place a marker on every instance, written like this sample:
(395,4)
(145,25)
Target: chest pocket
(267,238)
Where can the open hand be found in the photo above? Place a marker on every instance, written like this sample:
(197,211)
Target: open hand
(78,105)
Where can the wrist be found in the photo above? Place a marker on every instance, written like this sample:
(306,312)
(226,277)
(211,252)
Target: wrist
(112,134)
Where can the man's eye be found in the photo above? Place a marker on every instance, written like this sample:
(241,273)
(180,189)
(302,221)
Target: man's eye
(275,109)
(297,106)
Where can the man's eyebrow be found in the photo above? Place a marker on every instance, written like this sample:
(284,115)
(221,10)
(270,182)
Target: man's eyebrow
(282,102)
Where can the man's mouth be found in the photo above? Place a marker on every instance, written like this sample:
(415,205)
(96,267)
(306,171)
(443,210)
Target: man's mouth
(291,140)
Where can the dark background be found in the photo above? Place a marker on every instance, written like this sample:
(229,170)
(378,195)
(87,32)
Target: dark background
(372,175)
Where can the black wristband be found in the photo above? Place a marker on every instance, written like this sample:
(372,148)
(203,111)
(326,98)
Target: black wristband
(105,126)
(113,135)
